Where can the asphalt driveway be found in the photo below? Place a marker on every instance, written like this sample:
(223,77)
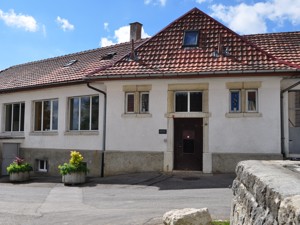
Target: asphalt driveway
(134,199)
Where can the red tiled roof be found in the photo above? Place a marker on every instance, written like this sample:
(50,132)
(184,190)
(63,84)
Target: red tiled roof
(164,54)
(53,70)
(285,46)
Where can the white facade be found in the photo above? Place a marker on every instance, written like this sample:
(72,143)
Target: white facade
(62,138)
(223,133)
(257,133)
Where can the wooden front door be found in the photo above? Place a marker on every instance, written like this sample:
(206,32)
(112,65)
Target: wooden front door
(188,143)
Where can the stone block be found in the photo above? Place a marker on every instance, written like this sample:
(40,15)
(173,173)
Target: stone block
(188,216)
(266,192)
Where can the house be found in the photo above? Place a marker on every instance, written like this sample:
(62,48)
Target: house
(195,96)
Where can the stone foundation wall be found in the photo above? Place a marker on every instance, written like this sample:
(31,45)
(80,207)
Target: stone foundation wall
(57,157)
(118,162)
(266,192)
(227,162)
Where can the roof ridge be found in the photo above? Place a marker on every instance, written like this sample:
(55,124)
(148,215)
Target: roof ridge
(252,44)
(272,33)
(67,55)
(231,31)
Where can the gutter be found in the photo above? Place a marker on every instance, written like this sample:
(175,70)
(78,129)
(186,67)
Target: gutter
(281,115)
(104,125)
(178,74)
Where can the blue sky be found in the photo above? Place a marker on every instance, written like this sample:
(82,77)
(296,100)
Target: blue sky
(33,29)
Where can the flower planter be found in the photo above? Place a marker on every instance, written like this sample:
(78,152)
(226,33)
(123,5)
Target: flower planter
(17,177)
(74,178)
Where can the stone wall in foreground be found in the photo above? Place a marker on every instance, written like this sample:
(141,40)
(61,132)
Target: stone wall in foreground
(266,192)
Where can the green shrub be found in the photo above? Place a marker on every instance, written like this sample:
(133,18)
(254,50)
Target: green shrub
(75,165)
(18,165)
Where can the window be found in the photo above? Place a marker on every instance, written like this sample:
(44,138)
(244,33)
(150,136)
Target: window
(143,106)
(129,102)
(84,113)
(251,100)
(14,117)
(235,101)
(188,101)
(144,102)
(190,38)
(243,98)
(137,99)
(42,165)
(46,115)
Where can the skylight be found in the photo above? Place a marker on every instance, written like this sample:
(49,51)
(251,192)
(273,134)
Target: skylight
(190,38)
(108,56)
(71,62)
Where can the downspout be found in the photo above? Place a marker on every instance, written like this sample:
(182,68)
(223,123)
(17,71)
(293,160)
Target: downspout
(281,115)
(104,125)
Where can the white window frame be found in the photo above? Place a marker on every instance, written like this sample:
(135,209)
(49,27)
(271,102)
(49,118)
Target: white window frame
(141,103)
(12,116)
(42,116)
(240,100)
(45,168)
(126,102)
(256,100)
(79,112)
(188,100)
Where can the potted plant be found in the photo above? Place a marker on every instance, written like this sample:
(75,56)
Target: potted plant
(75,171)
(19,170)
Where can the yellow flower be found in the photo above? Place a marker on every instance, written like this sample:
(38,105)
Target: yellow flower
(76,158)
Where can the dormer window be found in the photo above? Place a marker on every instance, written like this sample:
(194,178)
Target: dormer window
(190,38)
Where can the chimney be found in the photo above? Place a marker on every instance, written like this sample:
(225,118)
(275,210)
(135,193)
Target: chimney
(135,31)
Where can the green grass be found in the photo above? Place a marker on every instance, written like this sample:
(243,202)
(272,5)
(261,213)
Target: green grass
(221,223)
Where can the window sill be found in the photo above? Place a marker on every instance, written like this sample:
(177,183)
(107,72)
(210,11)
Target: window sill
(188,115)
(43,133)
(87,132)
(137,115)
(12,135)
(241,115)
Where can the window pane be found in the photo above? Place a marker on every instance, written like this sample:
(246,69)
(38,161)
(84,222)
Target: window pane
(22,116)
(234,101)
(181,101)
(190,38)
(130,102)
(16,117)
(8,114)
(95,112)
(144,104)
(251,101)
(47,115)
(38,116)
(54,114)
(74,113)
(85,113)
(195,101)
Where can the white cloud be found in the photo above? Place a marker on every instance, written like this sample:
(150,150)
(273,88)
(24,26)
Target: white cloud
(245,19)
(105,42)
(19,20)
(64,24)
(155,2)
(105,25)
(202,1)
(120,35)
